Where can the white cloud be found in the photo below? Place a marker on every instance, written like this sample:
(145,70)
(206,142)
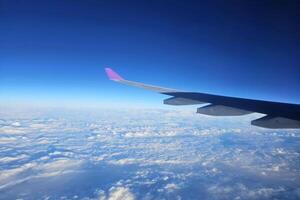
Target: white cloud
(240,191)
(170,187)
(17,124)
(9,174)
(116,193)
(120,193)
(263,193)
(146,162)
(61,164)
(57,167)
(5,140)
(8,159)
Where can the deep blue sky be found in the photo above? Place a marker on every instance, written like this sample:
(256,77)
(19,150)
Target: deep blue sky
(55,51)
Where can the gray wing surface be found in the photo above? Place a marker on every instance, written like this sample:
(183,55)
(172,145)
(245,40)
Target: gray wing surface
(277,115)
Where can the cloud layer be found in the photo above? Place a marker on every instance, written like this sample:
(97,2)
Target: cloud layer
(144,154)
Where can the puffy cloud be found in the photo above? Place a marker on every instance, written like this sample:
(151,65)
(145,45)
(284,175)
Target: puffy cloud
(58,167)
(10,177)
(8,159)
(12,130)
(170,187)
(8,173)
(263,193)
(240,191)
(5,140)
(115,193)
(31,170)
(120,193)
(17,124)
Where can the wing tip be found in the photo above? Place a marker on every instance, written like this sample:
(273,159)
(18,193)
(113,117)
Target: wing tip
(112,75)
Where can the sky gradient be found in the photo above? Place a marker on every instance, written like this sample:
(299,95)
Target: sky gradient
(56,51)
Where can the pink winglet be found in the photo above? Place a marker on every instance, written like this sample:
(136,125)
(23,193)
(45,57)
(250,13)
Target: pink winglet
(113,75)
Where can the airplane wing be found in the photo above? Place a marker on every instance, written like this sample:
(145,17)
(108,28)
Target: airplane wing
(277,115)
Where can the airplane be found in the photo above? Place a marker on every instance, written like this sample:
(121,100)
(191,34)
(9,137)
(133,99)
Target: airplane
(277,115)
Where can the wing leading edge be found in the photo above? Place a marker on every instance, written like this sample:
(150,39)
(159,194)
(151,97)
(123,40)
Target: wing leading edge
(278,115)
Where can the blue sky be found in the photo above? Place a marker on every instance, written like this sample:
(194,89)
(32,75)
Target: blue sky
(55,51)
